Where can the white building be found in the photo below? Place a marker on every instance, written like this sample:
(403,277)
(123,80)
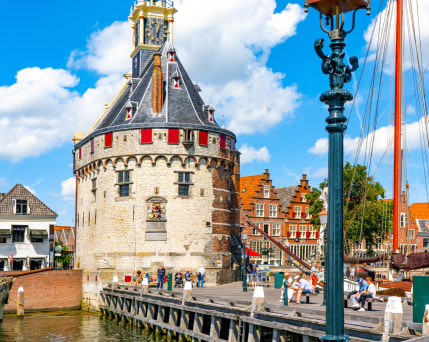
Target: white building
(24,230)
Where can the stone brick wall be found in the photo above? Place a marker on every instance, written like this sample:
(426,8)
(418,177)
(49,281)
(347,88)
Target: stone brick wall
(111,230)
(50,290)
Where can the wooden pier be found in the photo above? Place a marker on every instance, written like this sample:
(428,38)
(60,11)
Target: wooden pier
(203,318)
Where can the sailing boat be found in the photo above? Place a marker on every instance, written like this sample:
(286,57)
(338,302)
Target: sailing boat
(398,261)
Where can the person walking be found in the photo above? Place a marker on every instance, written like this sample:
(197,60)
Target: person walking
(314,279)
(201,274)
(161,275)
(252,269)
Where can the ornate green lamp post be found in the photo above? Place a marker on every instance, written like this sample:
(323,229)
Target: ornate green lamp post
(339,73)
(243,260)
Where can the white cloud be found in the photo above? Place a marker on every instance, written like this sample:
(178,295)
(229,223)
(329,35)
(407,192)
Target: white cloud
(31,190)
(384,25)
(107,51)
(320,147)
(40,110)
(249,154)
(229,58)
(322,172)
(68,188)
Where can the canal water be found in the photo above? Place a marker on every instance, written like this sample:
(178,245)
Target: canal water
(70,327)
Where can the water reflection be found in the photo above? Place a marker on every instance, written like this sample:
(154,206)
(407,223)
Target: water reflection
(68,328)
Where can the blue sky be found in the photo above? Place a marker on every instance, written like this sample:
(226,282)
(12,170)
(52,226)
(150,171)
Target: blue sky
(254,60)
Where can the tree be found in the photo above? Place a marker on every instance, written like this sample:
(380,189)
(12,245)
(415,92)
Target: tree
(66,257)
(366,215)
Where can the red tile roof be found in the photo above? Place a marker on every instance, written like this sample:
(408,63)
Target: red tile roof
(420,210)
(248,188)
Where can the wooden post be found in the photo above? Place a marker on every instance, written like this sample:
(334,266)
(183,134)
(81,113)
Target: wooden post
(234,332)
(276,332)
(251,336)
(215,326)
(174,320)
(161,317)
(20,304)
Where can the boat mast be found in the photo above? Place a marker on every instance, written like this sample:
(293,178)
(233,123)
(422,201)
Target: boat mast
(397,163)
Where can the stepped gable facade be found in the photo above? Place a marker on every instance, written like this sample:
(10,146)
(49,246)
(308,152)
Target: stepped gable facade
(301,237)
(25,223)
(260,205)
(157,178)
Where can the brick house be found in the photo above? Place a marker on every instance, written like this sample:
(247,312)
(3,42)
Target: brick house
(419,225)
(260,205)
(25,223)
(300,235)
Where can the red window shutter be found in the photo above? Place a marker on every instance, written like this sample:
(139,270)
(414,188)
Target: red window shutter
(92,145)
(223,141)
(203,138)
(298,234)
(303,215)
(146,137)
(288,234)
(308,235)
(80,154)
(108,138)
(173,135)
(293,214)
(317,235)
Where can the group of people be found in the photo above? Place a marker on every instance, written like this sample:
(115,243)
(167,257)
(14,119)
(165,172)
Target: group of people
(161,275)
(366,290)
(178,277)
(295,288)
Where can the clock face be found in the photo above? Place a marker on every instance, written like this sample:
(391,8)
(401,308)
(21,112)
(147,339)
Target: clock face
(137,33)
(155,31)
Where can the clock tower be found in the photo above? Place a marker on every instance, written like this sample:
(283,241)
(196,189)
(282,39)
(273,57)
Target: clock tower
(152,25)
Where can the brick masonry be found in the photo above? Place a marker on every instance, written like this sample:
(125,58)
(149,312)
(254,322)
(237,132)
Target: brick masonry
(50,290)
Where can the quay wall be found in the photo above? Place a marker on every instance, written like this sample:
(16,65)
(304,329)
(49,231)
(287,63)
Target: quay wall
(50,290)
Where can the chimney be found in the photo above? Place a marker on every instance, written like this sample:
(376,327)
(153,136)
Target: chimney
(157,84)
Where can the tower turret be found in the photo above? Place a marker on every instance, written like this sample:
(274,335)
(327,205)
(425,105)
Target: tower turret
(152,22)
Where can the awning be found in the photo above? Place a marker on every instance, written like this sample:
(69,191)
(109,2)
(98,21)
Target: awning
(38,233)
(4,233)
(251,253)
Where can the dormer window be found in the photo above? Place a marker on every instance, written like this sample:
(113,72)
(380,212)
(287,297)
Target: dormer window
(129,109)
(209,111)
(172,56)
(21,207)
(176,82)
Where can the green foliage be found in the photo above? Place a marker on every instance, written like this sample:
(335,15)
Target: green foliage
(66,258)
(366,215)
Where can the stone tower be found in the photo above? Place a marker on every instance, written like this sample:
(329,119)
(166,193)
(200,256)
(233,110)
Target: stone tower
(157,178)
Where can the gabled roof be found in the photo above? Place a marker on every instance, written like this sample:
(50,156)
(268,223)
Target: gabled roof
(37,207)
(423,226)
(420,210)
(182,107)
(248,188)
(285,196)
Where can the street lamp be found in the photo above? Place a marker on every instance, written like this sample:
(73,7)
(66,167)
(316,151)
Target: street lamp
(323,217)
(243,260)
(339,73)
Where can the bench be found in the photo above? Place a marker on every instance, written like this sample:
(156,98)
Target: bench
(368,300)
(308,295)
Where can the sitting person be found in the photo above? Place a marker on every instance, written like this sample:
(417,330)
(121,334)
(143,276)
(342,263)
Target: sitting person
(138,278)
(178,277)
(301,286)
(188,276)
(363,286)
(368,293)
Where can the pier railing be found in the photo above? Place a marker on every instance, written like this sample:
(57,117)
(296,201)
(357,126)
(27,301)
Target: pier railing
(219,319)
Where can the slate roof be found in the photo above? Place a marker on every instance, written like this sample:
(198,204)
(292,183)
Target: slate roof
(248,188)
(182,107)
(423,226)
(37,207)
(285,196)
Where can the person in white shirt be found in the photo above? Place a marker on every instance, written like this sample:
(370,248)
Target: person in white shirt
(201,274)
(302,286)
(369,293)
(286,288)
